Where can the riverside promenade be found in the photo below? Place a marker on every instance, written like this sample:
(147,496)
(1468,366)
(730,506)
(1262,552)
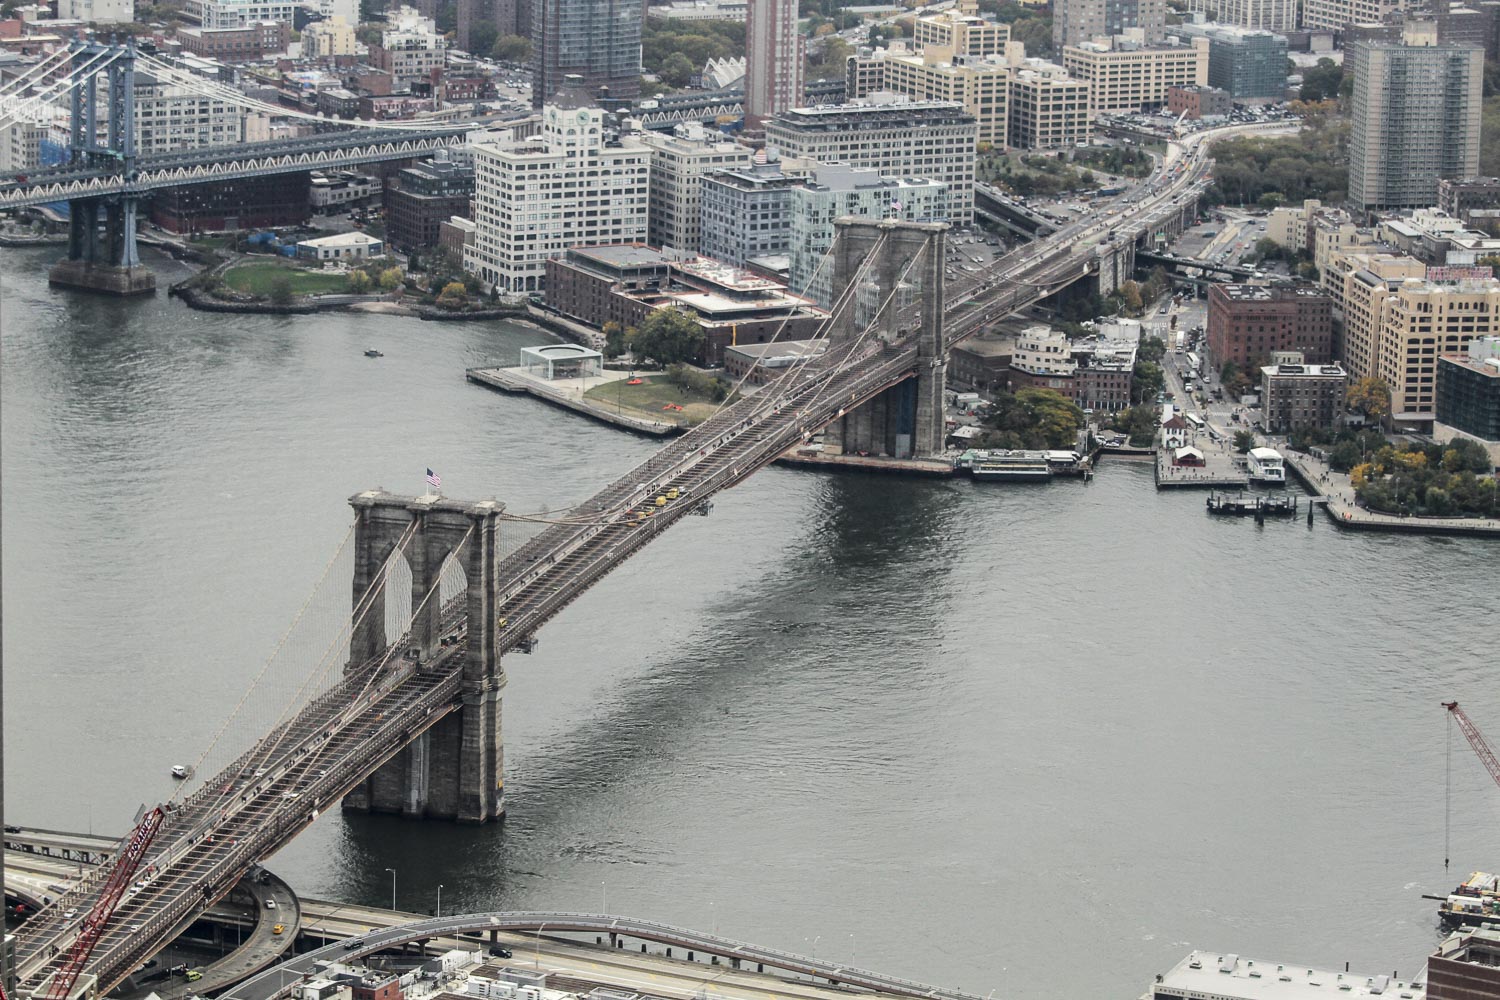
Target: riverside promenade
(1338,491)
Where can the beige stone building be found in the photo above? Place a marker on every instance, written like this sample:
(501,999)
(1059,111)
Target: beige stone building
(331,37)
(961,32)
(980,84)
(1124,76)
(1048,108)
(1397,323)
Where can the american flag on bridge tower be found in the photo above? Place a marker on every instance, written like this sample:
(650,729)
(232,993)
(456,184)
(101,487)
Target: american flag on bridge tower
(433,479)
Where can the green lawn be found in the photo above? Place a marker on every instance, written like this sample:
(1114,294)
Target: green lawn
(648,398)
(257,278)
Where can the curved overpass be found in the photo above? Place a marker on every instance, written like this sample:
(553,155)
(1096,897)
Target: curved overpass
(278,981)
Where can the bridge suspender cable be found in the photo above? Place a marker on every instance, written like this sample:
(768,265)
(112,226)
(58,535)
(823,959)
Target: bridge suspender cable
(266,748)
(266,666)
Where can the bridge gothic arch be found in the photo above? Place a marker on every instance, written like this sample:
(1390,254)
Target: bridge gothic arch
(455,769)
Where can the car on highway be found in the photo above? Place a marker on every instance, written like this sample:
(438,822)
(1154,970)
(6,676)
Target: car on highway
(279,929)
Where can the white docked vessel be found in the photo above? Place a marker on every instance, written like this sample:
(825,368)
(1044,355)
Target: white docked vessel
(1266,466)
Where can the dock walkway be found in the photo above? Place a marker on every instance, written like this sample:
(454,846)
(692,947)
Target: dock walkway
(1338,492)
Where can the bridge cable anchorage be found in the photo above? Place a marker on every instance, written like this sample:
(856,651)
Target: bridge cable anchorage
(208,88)
(266,666)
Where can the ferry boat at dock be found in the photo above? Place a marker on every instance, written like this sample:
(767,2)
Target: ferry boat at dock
(1011,467)
(1267,466)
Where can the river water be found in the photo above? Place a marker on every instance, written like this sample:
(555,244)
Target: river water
(1035,740)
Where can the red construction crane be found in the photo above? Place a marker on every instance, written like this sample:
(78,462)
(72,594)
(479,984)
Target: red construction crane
(97,920)
(1486,757)
(1476,740)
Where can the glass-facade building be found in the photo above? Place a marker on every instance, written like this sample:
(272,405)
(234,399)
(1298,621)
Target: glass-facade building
(1468,395)
(599,40)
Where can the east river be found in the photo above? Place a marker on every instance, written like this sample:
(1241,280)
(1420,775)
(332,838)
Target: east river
(1035,740)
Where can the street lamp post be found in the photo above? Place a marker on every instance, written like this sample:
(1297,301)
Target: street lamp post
(439,912)
(536,957)
(393,887)
(603,898)
(852,945)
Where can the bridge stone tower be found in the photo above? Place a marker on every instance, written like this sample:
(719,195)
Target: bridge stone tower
(455,770)
(905,421)
(111,264)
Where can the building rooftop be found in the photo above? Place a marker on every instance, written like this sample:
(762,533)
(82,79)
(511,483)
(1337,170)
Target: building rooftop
(621,255)
(878,106)
(1215,976)
(1268,293)
(1304,371)
(341,240)
(789,350)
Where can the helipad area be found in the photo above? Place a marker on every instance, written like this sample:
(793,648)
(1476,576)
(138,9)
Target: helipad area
(555,361)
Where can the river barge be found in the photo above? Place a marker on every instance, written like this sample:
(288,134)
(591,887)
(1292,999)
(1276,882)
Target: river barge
(1474,901)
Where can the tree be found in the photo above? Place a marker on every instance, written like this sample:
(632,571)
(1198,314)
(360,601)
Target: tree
(453,296)
(281,290)
(1033,418)
(1322,81)
(1370,396)
(1130,298)
(1244,441)
(1270,200)
(677,71)
(831,61)
(1344,456)
(614,339)
(482,38)
(1152,349)
(1146,380)
(358,282)
(512,49)
(668,336)
(391,279)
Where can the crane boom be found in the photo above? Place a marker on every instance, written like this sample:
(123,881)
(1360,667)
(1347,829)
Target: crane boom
(1476,740)
(97,920)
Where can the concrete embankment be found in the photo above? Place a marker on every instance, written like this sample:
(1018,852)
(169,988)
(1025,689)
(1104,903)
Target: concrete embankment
(504,381)
(1338,492)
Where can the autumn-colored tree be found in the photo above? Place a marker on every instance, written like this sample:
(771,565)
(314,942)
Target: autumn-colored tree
(392,278)
(358,282)
(1370,396)
(453,295)
(1361,474)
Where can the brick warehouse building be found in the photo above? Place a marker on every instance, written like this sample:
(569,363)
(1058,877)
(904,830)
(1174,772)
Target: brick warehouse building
(1248,322)
(624,283)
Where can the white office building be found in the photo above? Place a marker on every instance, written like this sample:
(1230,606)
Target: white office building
(570,185)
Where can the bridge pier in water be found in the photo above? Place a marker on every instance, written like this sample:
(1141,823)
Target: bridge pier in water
(455,770)
(111,265)
(906,420)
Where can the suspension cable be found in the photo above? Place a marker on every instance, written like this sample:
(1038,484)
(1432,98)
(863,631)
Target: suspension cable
(265,667)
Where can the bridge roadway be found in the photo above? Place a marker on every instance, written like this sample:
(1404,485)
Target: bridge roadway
(326,150)
(337,923)
(277,982)
(257,804)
